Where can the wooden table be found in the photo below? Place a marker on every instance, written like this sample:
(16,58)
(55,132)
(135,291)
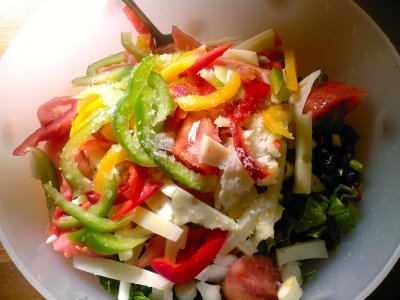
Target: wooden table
(14,13)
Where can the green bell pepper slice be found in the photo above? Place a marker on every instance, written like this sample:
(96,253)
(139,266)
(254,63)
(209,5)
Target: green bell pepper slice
(125,110)
(101,208)
(44,170)
(278,84)
(126,41)
(113,75)
(86,218)
(77,181)
(148,124)
(106,243)
(105,62)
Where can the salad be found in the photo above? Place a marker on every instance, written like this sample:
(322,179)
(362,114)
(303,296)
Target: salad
(198,171)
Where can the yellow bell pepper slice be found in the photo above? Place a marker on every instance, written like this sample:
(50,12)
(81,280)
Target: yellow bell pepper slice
(276,118)
(84,112)
(179,64)
(290,69)
(113,157)
(220,96)
(143,41)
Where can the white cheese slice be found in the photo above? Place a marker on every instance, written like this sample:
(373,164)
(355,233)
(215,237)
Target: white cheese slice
(186,208)
(290,289)
(161,205)
(222,122)
(123,290)
(209,291)
(157,224)
(168,188)
(291,269)
(300,251)
(121,271)
(299,98)
(172,248)
(246,56)
(262,41)
(213,273)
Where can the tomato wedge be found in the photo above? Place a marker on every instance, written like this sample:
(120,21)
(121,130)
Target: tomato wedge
(252,278)
(333,100)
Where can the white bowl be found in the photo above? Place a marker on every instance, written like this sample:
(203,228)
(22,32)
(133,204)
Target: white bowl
(337,36)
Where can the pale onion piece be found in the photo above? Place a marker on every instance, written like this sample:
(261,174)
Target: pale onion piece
(125,255)
(209,291)
(222,74)
(123,290)
(168,188)
(300,251)
(291,269)
(157,224)
(80,200)
(186,208)
(290,289)
(303,154)
(299,98)
(161,205)
(262,41)
(186,291)
(225,260)
(193,132)
(121,271)
(172,248)
(51,239)
(213,153)
(222,122)
(246,56)
(213,273)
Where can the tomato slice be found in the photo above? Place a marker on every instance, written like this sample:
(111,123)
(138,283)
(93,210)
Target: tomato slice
(333,100)
(154,248)
(182,41)
(188,141)
(252,278)
(140,27)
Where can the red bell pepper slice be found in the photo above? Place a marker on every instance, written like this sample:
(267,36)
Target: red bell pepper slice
(154,248)
(187,269)
(206,59)
(256,91)
(193,85)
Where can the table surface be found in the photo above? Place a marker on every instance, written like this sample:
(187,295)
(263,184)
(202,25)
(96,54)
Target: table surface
(13,14)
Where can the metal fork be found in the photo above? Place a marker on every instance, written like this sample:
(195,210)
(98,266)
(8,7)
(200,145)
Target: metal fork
(160,38)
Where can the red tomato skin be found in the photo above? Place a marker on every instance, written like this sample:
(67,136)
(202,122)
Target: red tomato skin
(333,97)
(188,151)
(182,41)
(252,278)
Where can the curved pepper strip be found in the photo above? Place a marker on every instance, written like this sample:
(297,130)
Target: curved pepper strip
(44,169)
(220,96)
(77,181)
(86,218)
(126,41)
(206,59)
(189,268)
(106,243)
(105,62)
(113,157)
(145,116)
(256,91)
(100,209)
(125,110)
(98,78)
(290,69)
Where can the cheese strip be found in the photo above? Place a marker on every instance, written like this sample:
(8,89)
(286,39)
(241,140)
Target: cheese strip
(121,271)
